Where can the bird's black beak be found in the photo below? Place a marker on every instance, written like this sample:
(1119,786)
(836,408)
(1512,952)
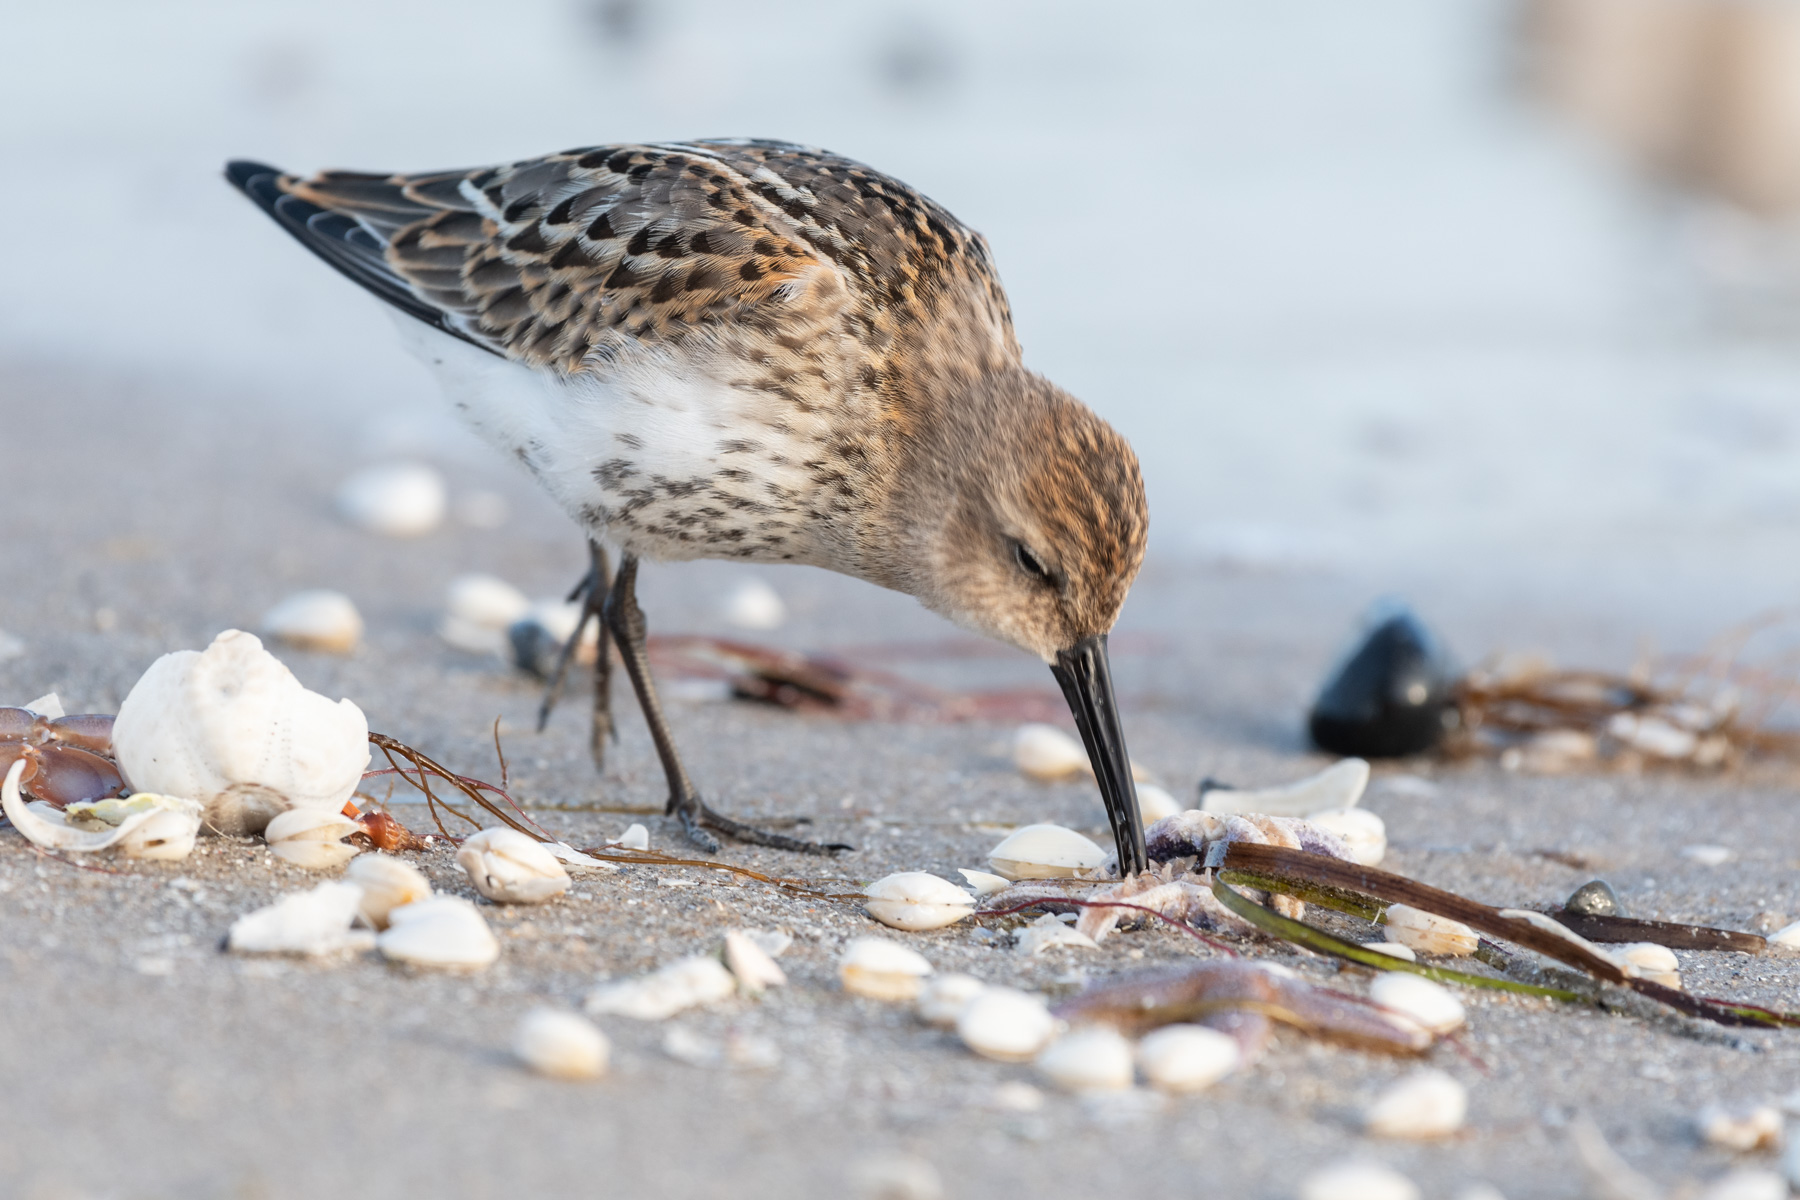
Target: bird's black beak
(1086,680)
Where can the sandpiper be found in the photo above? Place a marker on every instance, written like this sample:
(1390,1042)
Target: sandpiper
(760,351)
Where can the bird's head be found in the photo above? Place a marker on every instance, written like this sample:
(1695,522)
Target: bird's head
(1026,521)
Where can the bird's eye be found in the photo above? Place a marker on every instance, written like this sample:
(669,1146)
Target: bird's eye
(1028,563)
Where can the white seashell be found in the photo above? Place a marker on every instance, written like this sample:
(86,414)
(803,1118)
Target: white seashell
(47,705)
(1048,931)
(510,868)
(396,499)
(753,604)
(943,998)
(1429,933)
(561,1045)
(1046,852)
(1357,1180)
(440,931)
(635,837)
(1093,1058)
(1653,735)
(316,620)
(153,826)
(311,838)
(473,639)
(387,884)
(754,968)
(1006,1025)
(1394,949)
(1337,786)
(984,884)
(1047,754)
(1647,960)
(1363,833)
(1742,1129)
(1787,937)
(233,729)
(916,900)
(309,923)
(1709,856)
(486,601)
(1425,1104)
(665,991)
(537,638)
(1747,1183)
(1154,804)
(569,856)
(1187,1058)
(1428,1005)
(882,970)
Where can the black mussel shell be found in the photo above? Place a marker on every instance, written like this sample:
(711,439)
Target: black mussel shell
(1391,696)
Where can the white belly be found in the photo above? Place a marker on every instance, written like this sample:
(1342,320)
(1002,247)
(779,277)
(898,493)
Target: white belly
(664,462)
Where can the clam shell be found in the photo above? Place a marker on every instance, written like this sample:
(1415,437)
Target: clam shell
(1047,754)
(387,883)
(1187,1058)
(984,884)
(754,968)
(1431,1006)
(396,499)
(316,620)
(233,729)
(305,923)
(943,998)
(1425,1104)
(1154,804)
(1046,852)
(168,836)
(561,1045)
(882,970)
(509,868)
(1428,933)
(916,900)
(445,932)
(1338,786)
(1095,1058)
(1006,1025)
(666,991)
(311,838)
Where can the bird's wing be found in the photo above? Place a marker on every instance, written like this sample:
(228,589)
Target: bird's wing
(560,260)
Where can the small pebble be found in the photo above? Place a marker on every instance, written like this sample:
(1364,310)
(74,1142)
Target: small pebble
(395,499)
(1357,1180)
(561,1045)
(1595,898)
(316,620)
(1426,1104)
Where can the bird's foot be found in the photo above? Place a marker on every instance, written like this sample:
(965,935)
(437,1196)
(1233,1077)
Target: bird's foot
(697,817)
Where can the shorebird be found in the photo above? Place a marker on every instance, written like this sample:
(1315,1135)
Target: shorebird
(758,351)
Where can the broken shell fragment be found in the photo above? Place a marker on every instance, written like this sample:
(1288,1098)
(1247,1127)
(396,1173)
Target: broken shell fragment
(1428,1005)
(1647,960)
(1048,931)
(1741,1129)
(982,883)
(233,729)
(1006,1025)
(882,970)
(1425,1104)
(311,838)
(1787,937)
(316,620)
(509,868)
(1340,785)
(1393,949)
(674,988)
(396,499)
(943,998)
(561,1045)
(1357,1180)
(1046,852)
(1047,754)
(754,968)
(1187,1058)
(1094,1058)
(917,900)
(1429,933)
(387,884)
(149,825)
(1363,834)
(1154,804)
(311,923)
(445,932)
(1595,898)
(635,837)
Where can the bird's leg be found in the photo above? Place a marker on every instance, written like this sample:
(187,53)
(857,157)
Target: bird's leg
(626,621)
(592,591)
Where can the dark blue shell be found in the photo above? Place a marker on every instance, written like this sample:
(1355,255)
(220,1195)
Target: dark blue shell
(1391,696)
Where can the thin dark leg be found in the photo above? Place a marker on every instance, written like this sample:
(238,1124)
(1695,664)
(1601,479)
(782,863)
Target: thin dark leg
(592,591)
(626,621)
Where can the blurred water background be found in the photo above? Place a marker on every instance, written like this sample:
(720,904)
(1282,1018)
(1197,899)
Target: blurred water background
(1364,306)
